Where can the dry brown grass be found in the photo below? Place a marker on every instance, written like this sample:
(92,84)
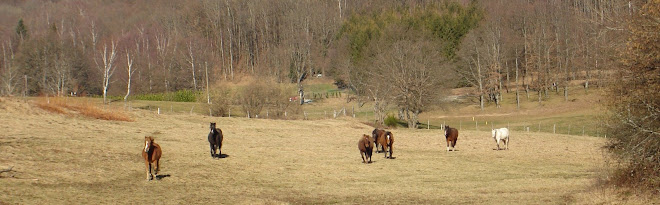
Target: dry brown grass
(63,160)
(74,107)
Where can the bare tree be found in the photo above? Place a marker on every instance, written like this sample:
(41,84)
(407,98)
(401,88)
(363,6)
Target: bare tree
(107,66)
(191,60)
(9,71)
(129,71)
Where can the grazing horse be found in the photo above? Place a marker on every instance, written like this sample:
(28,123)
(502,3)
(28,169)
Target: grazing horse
(452,135)
(386,141)
(377,134)
(151,154)
(215,140)
(501,134)
(366,147)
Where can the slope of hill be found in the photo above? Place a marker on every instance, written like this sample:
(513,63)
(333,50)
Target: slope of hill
(67,159)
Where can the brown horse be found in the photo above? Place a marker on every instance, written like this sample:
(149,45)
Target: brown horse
(151,154)
(386,140)
(451,134)
(366,146)
(377,134)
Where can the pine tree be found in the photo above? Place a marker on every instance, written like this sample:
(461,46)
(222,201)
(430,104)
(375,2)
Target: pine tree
(21,30)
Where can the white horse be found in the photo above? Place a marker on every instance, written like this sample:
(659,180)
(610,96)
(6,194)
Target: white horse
(501,134)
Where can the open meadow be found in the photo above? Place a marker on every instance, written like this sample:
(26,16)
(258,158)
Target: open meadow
(68,158)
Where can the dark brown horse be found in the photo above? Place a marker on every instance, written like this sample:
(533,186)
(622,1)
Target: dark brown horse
(151,154)
(377,134)
(386,140)
(215,141)
(366,147)
(451,134)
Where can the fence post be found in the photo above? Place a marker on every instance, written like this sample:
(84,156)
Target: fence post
(476,126)
(210,113)
(353,110)
(539,127)
(325,114)
(582,130)
(230,112)
(344,111)
(554,127)
(159,111)
(428,124)
(460,125)
(266,114)
(334,113)
(248,114)
(285,115)
(305,113)
(569,129)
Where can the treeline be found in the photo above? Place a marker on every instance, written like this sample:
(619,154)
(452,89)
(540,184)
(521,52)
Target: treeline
(402,53)
(87,46)
(543,46)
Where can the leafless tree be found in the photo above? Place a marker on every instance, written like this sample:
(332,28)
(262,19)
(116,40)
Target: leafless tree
(129,71)
(106,66)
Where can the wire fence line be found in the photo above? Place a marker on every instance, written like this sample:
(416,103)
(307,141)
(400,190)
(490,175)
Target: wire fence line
(595,129)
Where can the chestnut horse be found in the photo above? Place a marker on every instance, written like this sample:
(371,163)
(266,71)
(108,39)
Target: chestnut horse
(452,135)
(366,147)
(151,154)
(215,140)
(386,140)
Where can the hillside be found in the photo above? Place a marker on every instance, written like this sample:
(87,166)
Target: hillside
(72,159)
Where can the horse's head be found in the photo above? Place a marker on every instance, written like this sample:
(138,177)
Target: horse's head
(368,140)
(494,131)
(446,130)
(212,127)
(147,143)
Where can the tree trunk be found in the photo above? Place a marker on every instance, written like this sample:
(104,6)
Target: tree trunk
(129,63)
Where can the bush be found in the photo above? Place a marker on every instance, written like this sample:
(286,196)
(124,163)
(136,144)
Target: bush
(221,100)
(391,121)
(253,97)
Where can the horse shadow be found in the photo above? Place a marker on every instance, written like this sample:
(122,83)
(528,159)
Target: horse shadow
(222,155)
(161,176)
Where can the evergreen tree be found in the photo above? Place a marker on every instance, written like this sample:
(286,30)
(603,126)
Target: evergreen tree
(21,30)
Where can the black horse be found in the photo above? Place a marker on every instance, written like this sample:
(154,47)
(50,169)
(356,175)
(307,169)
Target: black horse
(215,141)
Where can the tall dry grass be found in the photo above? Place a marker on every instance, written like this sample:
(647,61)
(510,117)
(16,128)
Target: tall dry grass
(62,105)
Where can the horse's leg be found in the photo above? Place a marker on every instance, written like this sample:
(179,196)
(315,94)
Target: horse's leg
(362,155)
(212,150)
(498,144)
(148,169)
(448,143)
(453,144)
(157,167)
(150,176)
(390,151)
(219,149)
(385,150)
(506,143)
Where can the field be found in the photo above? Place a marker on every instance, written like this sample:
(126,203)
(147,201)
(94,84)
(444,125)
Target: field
(68,158)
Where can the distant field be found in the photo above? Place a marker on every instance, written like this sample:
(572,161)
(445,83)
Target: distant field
(66,159)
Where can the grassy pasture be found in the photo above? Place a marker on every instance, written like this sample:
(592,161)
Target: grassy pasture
(63,159)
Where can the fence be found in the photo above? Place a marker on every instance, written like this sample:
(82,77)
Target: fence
(595,129)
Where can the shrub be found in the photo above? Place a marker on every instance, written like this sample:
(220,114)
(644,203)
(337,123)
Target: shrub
(221,99)
(391,121)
